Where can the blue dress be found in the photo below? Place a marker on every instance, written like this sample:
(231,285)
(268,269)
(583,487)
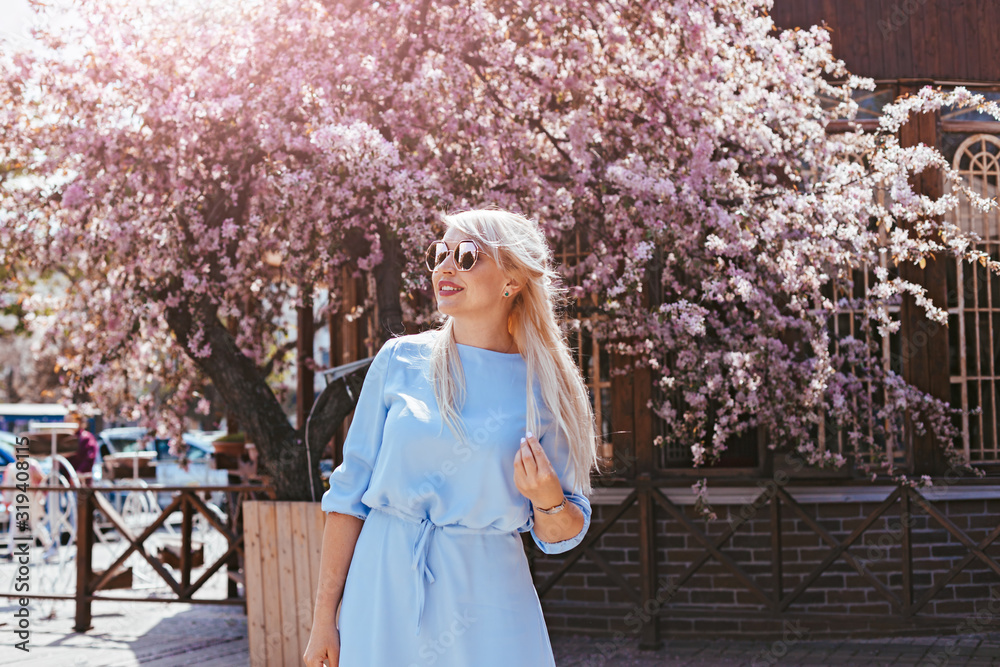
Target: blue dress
(439,575)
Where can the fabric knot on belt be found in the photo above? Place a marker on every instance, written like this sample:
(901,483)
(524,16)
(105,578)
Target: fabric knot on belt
(420,549)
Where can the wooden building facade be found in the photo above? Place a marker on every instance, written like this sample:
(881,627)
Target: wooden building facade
(837,553)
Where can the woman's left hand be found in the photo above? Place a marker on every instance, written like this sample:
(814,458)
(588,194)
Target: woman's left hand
(534,475)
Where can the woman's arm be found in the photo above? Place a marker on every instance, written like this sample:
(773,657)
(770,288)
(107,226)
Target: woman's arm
(340,535)
(536,478)
(564,524)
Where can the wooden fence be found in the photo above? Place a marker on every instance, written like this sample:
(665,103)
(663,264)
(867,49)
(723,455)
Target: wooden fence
(631,565)
(89,583)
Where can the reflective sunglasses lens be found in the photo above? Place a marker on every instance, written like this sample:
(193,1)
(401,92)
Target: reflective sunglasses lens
(436,254)
(466,255)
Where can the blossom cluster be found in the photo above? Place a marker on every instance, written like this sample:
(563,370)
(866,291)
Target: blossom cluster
(687,140)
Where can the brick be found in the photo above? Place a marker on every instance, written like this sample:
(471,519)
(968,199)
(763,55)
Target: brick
(829,581)
(948,551)
(952,606)
(748,599)
(613,541)
(846,596)
(716,625)
(930,565)
(810,597)
(752,542)
(927,537)
(586,594)
(840,510)
(967,592)
(985,522)
(755,570)
(874,608)
(720,597)
(813,555)
(800,540)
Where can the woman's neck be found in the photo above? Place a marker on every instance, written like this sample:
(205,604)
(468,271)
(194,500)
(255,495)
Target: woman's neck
(486,335)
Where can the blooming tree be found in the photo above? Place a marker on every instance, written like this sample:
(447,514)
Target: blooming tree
(200,164)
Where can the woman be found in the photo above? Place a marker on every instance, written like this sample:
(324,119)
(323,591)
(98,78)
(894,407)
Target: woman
(421,546)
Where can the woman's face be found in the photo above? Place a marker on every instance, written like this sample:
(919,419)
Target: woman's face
(481,288)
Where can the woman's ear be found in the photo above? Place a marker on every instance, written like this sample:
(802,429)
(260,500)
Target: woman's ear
(512,287)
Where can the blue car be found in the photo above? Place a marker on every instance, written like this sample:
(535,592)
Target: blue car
(7,442)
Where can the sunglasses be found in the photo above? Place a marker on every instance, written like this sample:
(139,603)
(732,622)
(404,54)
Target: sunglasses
(466,253)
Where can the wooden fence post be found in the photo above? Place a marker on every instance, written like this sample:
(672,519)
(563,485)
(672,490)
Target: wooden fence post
(186,527)
(650,633)
(84,556)
(906,553)
(776,553)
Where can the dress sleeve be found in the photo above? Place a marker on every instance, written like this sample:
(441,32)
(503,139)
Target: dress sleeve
(349,481)
(559,455)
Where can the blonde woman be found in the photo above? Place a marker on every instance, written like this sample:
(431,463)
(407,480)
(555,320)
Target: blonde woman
(421,547)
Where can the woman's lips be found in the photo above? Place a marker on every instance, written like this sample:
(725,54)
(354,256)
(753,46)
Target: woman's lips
(446,292)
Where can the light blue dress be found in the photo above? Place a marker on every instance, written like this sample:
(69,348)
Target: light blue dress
(439,575)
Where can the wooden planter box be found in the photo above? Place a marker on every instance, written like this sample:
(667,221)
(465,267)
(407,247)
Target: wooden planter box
(283,541)
(170,552)
(122,465)
(121,579)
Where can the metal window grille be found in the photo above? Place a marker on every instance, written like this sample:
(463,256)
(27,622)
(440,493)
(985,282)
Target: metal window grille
(974,307)
(846,290)
(591,357)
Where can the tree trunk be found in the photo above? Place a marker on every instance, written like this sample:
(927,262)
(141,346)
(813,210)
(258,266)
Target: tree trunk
(282,449)
(388,285)
(246,393)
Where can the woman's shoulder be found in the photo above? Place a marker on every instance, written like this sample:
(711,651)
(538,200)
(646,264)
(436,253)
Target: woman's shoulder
(413,348)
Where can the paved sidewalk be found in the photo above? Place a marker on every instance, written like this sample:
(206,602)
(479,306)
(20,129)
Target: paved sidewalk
(169,634)
(583,651)
(130,633)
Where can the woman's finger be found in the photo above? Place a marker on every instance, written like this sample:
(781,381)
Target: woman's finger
(538,453)
(528,457)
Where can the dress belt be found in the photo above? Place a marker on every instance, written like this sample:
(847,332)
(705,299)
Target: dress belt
(421,547)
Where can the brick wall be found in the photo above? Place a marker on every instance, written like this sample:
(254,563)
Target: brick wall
(839,602)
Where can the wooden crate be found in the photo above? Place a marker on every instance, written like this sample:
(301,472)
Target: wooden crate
(283,541)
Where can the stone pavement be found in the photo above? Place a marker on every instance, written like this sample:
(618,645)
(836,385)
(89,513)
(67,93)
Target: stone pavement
(129,633)
(168,634)
(924,651)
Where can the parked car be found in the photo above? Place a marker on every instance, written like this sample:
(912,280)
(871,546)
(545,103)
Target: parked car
(7,442)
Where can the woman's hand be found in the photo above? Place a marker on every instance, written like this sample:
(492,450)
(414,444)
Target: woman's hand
(323,647)
(534,476)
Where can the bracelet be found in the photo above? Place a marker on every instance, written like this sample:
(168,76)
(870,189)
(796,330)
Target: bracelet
(553,510)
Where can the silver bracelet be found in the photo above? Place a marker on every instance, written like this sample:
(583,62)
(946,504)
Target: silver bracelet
(554,510)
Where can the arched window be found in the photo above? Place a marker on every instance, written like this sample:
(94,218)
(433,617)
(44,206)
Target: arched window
(974,303)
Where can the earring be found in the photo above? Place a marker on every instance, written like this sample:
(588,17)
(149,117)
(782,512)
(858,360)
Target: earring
(505,293)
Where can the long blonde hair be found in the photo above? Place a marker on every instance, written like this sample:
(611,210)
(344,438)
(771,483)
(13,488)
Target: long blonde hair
(519,248)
